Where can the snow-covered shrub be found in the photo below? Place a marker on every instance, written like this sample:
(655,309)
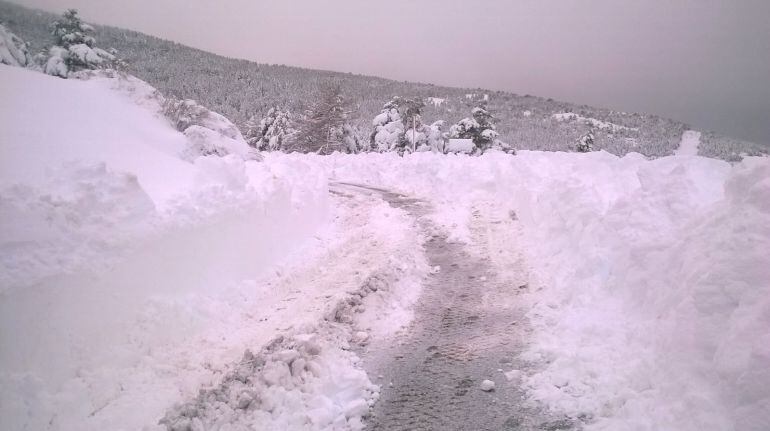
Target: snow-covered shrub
(13,50)
(436,138)
(585,143)
(274,132)
(56,64)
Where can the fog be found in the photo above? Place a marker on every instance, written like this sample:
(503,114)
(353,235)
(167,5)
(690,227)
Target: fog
(706,63)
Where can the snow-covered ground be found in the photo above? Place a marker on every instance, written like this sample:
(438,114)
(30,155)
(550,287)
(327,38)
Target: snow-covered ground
(689,144)
(131,278)
(133,275)
(652,278)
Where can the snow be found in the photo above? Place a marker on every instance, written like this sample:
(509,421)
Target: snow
(649,283)
(465,146)
(689,144)
(593,122)
(132,277)
(487,386)
(141,283)
(56,64)
(86,55)
(13,51)
(435,101)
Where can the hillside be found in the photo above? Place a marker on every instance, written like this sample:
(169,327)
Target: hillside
(239,89)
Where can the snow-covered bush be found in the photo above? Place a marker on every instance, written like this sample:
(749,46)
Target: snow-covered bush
(585,143)
(274,132)
(436,140)
(13,50)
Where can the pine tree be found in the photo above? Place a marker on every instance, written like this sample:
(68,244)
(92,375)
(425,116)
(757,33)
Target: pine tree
(480,128)
(413,135)
(70,30)
(74,48)
(387,127)
(274,132)
(325,128)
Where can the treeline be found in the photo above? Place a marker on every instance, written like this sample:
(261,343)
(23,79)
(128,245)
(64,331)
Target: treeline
(242,91)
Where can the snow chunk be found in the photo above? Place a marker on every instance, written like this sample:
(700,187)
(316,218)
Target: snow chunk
(487,385)
(464,146)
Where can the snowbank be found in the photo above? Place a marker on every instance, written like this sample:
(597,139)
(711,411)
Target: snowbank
(651,279)
(119,259)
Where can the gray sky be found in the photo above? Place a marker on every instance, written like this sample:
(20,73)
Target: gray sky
(704,62)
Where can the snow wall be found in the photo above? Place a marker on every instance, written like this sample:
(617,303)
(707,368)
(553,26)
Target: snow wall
(654,303)
(112,245)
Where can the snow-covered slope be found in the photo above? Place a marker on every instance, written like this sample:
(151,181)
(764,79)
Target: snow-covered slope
(689,144)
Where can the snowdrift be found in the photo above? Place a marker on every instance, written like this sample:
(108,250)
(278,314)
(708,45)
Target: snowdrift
(651,279)
(114,248)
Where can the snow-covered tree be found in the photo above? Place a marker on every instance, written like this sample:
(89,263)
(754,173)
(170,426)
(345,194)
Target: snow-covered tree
(399,127)
(325,128)
(387,127)
(74,47)
(436,138)
(414,134)
(13,50)
(480,128)
(274,132)
(585,143)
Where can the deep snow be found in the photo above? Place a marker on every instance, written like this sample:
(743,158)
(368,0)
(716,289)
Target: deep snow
(134,274)
(651,277)
(132,277)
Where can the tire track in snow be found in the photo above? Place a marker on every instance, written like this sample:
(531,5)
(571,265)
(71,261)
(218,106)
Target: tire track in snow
(465,330)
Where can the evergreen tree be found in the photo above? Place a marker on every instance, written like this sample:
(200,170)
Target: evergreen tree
(585,143)
(414,134)
(387,127)
(480,128)
(70,30)
(325,128)
(74,48)
(274,132)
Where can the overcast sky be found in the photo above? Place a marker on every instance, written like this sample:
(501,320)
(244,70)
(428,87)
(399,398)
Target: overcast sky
(704,62)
